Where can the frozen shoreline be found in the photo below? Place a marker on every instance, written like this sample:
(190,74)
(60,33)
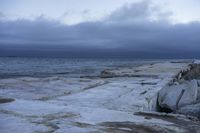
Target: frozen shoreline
(84,105)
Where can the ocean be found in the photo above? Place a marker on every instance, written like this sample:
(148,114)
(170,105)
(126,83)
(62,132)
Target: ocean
(11,67)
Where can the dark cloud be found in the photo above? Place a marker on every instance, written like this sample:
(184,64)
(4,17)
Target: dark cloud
(127,32)
(139,13)
(131,13)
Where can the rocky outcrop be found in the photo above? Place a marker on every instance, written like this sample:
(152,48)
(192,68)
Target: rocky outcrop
(192,72)
(126,73)
(107,74)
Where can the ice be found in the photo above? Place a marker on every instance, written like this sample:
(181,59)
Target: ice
(89,104)
(13,124)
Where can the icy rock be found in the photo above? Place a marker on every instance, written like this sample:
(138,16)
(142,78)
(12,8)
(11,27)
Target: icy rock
(107,74)
(193,110)
(194,72)
(169,95)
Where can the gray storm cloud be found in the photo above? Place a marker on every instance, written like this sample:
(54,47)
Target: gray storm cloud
(137,30)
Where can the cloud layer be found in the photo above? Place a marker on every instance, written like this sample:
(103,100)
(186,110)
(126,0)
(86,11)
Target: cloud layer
(139,30)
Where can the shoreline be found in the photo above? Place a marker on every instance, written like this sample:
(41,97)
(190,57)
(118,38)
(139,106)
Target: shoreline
(109,103)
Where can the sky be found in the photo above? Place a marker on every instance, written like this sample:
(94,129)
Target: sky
(106,28)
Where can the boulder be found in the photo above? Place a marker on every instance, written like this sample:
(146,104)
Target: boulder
(193,110)
(175,96)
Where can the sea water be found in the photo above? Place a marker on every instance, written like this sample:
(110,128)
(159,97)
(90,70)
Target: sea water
(11,67)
